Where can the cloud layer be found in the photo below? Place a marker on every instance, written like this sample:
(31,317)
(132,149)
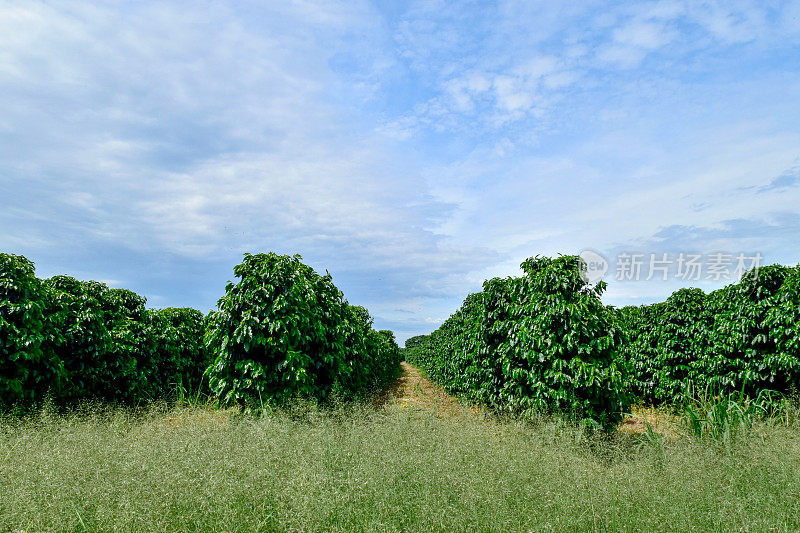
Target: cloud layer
(410,149)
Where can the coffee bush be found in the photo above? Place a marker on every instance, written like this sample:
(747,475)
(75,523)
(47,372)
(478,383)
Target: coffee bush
(543,342)
(283,330)
(28,366)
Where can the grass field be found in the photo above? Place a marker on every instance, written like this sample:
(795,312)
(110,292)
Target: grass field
(419,462)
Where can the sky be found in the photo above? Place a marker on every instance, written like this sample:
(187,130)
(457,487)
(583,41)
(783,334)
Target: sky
(412,149)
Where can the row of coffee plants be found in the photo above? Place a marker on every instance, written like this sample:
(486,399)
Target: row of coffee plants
(743,338)
(543,342)
(78,340)
(282,331)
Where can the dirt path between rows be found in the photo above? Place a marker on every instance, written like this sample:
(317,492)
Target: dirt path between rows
(412,390)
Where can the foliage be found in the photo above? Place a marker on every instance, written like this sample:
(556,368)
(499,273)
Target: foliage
(28,367)
(103,340)
(453,355)
(389,336)
(373,356)
(183,358)
(418,340)
(782,320)
(82,340)
(289,332)
(540,342)
(414,346)
(284,330)
(742,338)
(666,339)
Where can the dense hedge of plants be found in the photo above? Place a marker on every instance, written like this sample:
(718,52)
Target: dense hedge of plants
(99,330)
(455,355)
(742,338)
(284,330)
(373,356)
(77,340)
(28,365)
(183,359)
(663,339)
(418,340)
(413,345)
(540,342)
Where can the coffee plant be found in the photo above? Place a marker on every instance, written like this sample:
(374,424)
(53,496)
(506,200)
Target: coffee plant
(28,366)
(543,342)
(665,342)
(373,356)
(182,356)
(782,321)
(414,346)
(742,338)
(418,340)
(284,330)
(104,343)
(454,354)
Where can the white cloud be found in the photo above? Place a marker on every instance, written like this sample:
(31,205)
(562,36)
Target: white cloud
(413,151)
(646,35)
(736,22)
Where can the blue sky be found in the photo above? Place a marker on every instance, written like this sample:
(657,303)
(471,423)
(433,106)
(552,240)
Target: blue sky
(412,149)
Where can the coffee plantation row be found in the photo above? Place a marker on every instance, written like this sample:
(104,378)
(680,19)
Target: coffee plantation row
(742,338)
(282,331)
(544,342)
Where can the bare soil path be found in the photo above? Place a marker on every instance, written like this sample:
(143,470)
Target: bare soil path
(412,390)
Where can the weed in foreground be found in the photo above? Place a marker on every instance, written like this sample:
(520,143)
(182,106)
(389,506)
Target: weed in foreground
(357,468)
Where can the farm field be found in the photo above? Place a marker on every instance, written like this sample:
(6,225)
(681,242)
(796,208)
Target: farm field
(413,459)
(521,412)
(468,266)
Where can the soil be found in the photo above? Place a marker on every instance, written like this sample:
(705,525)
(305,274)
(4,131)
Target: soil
(412,390)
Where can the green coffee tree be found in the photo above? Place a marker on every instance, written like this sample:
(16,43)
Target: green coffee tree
(543,342)
(283,331)
(182,356)
(28,366)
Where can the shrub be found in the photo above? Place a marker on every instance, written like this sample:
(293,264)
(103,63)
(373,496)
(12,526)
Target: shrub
(665,342)
(414,347)
(742,355)
(541,342)
(28,366)
(283,330)
(782,320)
(419,340)
(114,349)
(102,339)
(389,336)
(454,354)
(183,358)
(742,339)
(557,343)
(373,356)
